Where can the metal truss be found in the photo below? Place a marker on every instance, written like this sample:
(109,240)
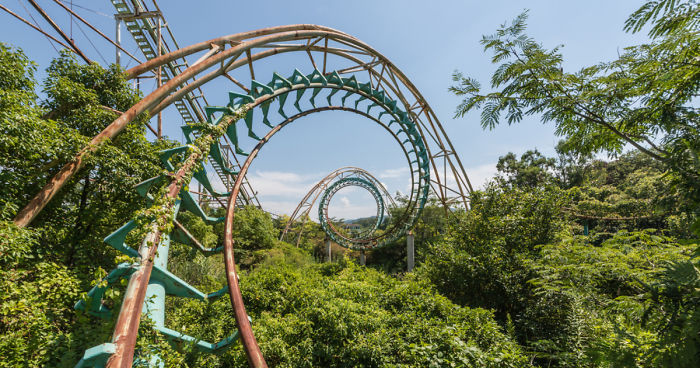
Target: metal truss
(301,212)
(337,62)
(324,47)
(146,24)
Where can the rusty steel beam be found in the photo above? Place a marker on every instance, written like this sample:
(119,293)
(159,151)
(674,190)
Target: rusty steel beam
(250,345)
(234,40)
(35,27)
(59,30)
(253,353)
(96,30)
(390,77)
(132,305)
(317,189)
(39,201)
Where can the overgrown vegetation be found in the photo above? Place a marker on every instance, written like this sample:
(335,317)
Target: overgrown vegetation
(566,261)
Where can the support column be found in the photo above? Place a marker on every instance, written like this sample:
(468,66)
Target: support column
(329,255)
(119,40)
(160,69)
(362,257)
(154,305)
(410,251)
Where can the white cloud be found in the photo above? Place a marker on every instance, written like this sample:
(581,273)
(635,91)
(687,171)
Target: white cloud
(284,207)
(281,184)
(280,192)
(351,212)
(481,174)
(394,173)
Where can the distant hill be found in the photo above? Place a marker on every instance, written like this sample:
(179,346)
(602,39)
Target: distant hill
(362,221)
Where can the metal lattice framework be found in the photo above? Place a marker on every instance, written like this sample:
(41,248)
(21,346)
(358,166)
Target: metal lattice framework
(301,213)
(363,99)
(400,109)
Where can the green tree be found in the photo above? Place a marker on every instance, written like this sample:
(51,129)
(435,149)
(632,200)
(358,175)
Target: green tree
(532,170)
(570,166)
(587,304)
(479,262)
(340,315)
(643,99)
(253,229)
(430,227)
(66,252)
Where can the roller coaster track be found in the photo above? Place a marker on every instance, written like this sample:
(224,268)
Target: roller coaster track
(301,213)
(366,238)
(376,89)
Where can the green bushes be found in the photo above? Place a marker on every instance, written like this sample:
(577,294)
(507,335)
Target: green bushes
(480,261)
(45,269)
(629,302)
(343,315)
(359,317)
(590,304)
(254,229)
(35,301)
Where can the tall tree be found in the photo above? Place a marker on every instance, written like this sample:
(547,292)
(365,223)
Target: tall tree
(643,99)
(531,170)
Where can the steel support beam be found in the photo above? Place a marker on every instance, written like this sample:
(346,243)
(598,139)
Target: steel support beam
(118,36)
(59,30)
(410,251)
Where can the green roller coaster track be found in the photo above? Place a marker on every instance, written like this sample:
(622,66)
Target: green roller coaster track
(365,238)
(162,282)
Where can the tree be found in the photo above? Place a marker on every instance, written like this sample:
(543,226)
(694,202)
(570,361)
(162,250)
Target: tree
(60,256)
(532,170)
(343,315)
(429,228)
(570,167)
(643,99)
(253,229)
(479,262)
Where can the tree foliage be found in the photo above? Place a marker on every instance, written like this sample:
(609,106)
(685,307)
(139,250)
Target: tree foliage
(643,99)
(46,268)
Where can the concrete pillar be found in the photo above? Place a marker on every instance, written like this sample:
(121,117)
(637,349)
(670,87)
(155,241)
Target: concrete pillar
(362,257)
(410,252)
(329,254)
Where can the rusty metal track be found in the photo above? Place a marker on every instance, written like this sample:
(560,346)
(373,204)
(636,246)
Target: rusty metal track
(220,56)
(273,41)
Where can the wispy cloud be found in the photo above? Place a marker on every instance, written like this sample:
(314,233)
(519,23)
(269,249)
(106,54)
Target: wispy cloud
(281,184)
(481,174)
(394,173)
(280,192)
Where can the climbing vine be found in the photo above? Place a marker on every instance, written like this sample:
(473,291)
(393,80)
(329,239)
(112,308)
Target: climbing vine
(158,218)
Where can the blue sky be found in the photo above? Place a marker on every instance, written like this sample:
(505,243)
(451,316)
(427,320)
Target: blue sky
(427,40)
